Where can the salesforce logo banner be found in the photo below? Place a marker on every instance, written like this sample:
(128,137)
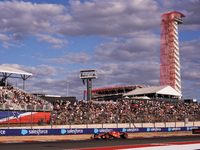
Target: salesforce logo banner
(74,131)
(171,129)
(26,132)
(9,132)
(2,132)
(96,130)
(104,130)
(34,132)
(154,129)
(132,130)
(63,131)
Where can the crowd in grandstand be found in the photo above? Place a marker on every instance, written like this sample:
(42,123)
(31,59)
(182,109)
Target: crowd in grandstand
(122,111)
(10,96)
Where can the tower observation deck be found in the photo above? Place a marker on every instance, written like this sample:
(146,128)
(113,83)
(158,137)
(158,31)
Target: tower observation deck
(169,50)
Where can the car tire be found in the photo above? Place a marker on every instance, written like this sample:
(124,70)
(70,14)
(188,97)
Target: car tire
(107,136)
(124,136)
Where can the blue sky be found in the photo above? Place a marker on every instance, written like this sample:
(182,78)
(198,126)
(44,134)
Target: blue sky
(55,39)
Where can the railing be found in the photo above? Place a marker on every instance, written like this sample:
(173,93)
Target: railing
(17,107)
(177,48)
(90,120)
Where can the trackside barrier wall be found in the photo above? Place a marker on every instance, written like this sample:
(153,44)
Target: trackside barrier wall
(32,132)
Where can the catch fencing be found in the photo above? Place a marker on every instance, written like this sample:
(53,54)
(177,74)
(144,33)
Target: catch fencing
(51,120)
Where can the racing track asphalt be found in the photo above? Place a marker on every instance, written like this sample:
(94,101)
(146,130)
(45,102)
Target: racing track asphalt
(64,145)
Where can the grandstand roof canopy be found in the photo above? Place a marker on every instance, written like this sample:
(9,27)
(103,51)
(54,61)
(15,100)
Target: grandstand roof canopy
(5,69)
(163,90)
(7,72)
(117,88)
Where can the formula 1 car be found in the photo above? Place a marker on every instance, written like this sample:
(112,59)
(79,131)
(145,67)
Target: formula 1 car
(111,135)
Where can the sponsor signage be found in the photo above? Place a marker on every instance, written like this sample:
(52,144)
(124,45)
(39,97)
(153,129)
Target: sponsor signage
(32,132)
(24,117)
(196,131)
(27,132)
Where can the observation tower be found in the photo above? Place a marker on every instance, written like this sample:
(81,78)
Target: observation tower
(169,50)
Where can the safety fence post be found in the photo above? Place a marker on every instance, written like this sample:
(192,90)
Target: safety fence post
(51,120)
(175,120)
(8,118)
(31,119)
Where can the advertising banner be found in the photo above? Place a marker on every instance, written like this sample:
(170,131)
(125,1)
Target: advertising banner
(36,132)
(196,131)
(24,117)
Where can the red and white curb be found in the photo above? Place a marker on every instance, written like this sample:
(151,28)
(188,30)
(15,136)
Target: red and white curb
(146,146)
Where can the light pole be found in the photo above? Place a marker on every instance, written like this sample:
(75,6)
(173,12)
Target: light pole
(67,87)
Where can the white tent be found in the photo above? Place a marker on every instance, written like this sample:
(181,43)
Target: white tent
(140,97)
(162,90)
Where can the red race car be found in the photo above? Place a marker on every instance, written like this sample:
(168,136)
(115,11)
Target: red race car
(111,135)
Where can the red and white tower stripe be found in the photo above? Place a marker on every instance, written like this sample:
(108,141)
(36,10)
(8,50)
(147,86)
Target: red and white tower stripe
(169,50)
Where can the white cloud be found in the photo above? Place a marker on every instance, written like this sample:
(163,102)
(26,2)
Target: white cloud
(56,46)
(57,43)
(50,39)
(71,58)
(111,18)
(26,17)
(133,49)
(122,18)
(190,8)
(3,37)
(128,73)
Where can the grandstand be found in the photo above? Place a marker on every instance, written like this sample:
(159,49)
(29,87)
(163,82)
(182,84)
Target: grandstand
(160,93)
(52,98)
(15,103)
(114,93)
(14,98)
(18,106)
(137,92)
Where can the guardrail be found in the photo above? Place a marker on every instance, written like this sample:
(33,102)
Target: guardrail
(23,119)
(9,106)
